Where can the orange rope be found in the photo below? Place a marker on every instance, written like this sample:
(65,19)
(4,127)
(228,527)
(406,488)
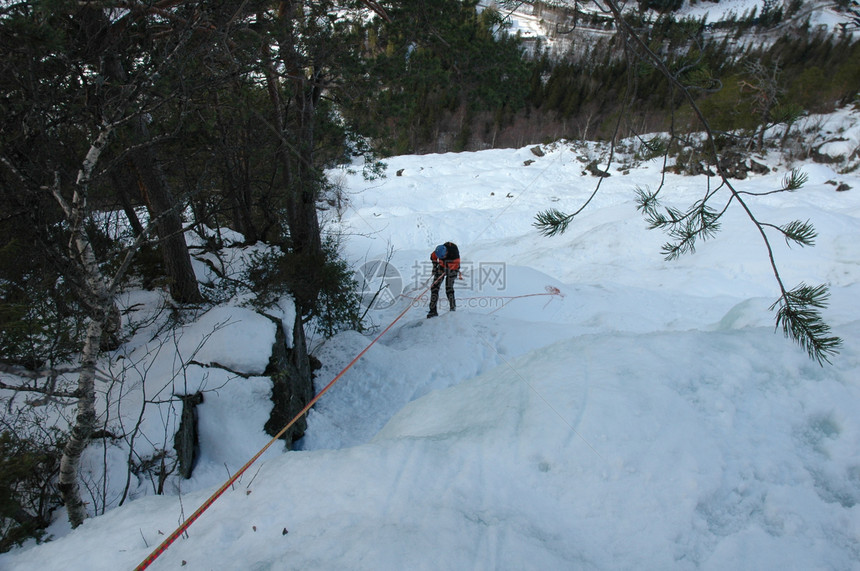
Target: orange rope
(187,523)
(550,291)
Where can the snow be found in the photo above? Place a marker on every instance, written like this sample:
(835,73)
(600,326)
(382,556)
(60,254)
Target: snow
(589,405)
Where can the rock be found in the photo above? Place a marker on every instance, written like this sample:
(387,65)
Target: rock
(185,440)
(537,151)
(831,152)
(758,168)
(734,165)
(290,369)
(595,171)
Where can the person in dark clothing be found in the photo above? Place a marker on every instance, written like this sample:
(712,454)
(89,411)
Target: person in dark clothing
(446,266)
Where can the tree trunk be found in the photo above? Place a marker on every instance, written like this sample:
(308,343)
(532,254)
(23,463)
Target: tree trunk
(85,423)
(163,208)
(121,184)
(236,175)
(160,203)
(300,194)
(98,298)
(238,188)
(302,206)
(297,169)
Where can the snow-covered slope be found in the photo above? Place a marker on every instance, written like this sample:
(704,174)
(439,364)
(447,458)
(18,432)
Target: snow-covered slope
(589,405)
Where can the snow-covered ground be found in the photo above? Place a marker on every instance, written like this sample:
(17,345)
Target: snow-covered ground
(588,406)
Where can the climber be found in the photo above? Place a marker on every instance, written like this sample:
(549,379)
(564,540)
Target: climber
(446,266)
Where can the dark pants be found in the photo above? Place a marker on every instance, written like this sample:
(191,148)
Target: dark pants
(448,276)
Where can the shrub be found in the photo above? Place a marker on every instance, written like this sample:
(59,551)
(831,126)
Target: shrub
(40,321)
(338,303)
(28,471)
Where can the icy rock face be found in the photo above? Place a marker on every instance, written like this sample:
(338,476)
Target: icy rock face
(292,382)
(288,369)
(185,442)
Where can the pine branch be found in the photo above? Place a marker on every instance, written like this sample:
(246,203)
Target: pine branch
(701,222)
(654,147)
(802,233)
(794,180)
(798,311)
(800,317)
(646,202)
(668,218)
(552,222)
(791,182)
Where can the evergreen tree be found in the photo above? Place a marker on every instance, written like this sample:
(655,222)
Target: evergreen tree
(436,58)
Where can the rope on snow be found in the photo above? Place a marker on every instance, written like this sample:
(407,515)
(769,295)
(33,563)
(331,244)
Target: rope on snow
(211,500)
(550,291)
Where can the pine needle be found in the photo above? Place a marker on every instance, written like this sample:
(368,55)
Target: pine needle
(802,233)
(799,316)
(552,222)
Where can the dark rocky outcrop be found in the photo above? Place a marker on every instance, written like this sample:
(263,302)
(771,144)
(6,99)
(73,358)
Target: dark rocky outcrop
(737,165)
(825,158)
(185,441)
(291,371)
(595,170)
